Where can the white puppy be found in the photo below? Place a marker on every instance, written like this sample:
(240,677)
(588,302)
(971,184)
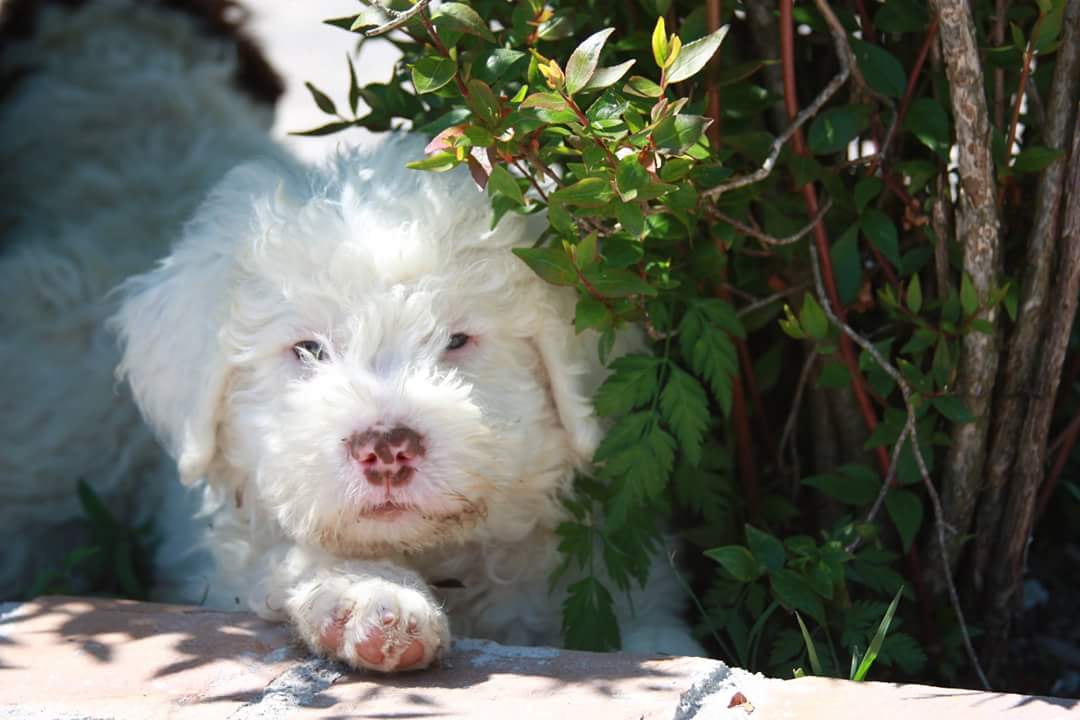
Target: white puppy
(381,396)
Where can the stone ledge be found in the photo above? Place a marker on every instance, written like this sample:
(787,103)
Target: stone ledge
(74,658)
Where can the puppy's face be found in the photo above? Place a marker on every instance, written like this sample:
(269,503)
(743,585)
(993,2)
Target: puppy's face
(386,392)
(364,359)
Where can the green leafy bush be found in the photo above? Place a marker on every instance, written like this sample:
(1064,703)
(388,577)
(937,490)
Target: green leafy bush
(809,296)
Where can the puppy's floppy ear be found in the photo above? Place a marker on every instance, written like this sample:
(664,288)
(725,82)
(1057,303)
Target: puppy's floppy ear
(573,372)
(170,320)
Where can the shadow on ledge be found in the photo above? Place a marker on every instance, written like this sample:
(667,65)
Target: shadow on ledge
(66,657)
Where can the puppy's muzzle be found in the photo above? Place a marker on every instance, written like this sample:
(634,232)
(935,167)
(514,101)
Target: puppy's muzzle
(387,457)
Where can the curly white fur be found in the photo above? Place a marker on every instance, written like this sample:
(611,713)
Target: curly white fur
(123,115)
(381,266)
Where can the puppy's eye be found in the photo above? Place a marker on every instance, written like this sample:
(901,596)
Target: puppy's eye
(309,349)
(457,340)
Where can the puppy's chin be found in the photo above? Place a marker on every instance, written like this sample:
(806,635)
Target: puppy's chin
(390,530)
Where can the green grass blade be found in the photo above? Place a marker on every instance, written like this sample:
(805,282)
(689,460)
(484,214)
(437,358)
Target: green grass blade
(811,651)
(879,637)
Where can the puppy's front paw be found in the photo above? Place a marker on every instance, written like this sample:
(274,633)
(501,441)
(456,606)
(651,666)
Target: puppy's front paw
(371,623)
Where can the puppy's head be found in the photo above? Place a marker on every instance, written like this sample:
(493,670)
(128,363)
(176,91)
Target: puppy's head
(363,355)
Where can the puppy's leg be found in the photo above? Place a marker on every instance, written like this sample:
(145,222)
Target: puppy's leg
(652,621)
(372,615)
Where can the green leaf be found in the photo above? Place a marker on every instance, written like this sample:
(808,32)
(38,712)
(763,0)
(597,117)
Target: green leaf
(705,339)
(854,485)
(545,101)
(322,100)
(660,45)
(432,72)
(737,560)
(866,190)
(879,637)
(589,617)
(834,374)
(583,61)
(368,17)
(328,129)
(436,162)
(813,318)
(615,282)
(461,18)
(765,548)
(792,590)
(585,252)
(552,264)
(969,300)
(590,313)
(501,181)
(590,192)
(906,511)
(632,219)
(444,121)
(847,265)
(630,177)
(1036,159)
(678,132)
(483,102)
(921,339)
(928,122)
(953,409)
(786,648)
(902,650)
(354,86)
(943,366)
(811,650)
(914,294)
(901,16)
(631,384)
(606,77)
(478,136)
(694,56)
(638,455)
(880,231)
(557,27)
(882,71)
(344,23)
(676,169)
(833,130)
(642,87)
(100,516)
(685,407)
(500,61)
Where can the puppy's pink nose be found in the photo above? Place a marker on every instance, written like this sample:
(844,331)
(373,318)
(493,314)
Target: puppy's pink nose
(387,457)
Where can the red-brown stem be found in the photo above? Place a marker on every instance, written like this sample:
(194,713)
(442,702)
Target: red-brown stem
(744,441)
(1014,122)
(867,24)
(747,366)
(886,267)
(997,37)
(916,70)
(532,180)
(893,185)
(821,240)
(425,19)
(713,11)
(1068,442)
(744,446)
(913,79)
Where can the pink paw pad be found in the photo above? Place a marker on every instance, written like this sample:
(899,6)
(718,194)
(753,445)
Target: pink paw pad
(379,642)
